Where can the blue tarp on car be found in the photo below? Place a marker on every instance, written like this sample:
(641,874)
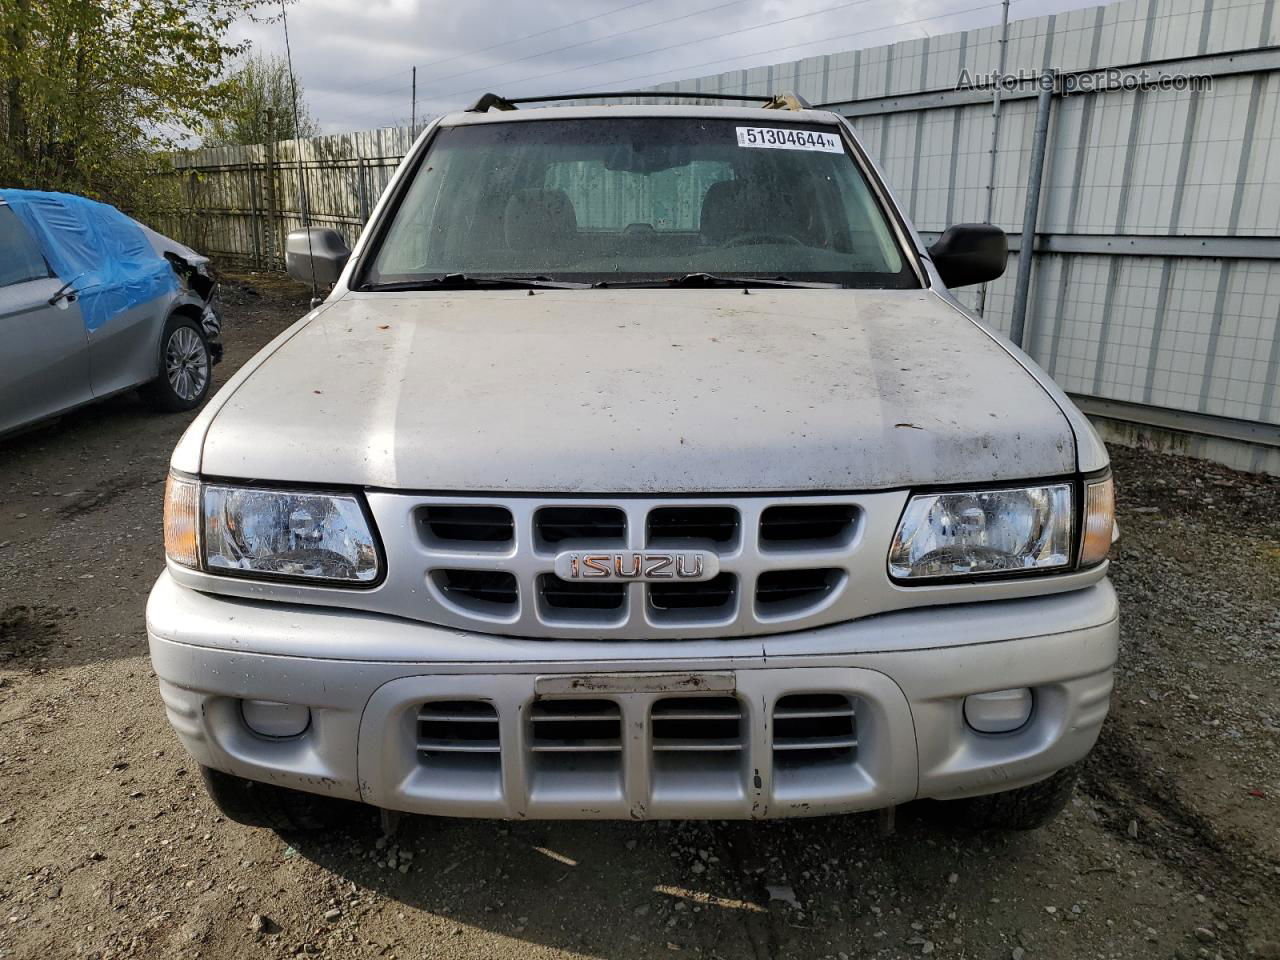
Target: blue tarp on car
(102,254)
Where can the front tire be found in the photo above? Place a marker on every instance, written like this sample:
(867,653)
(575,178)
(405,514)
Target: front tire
(1026,808)
(186,367)
(275,808)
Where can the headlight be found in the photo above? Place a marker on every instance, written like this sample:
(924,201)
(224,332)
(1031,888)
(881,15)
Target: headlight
(986,531)
(285,534)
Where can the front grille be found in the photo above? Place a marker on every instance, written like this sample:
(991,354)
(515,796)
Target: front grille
(648,754)
(785,563)
(603,525)
(684,524)
(813,728)
(814,526)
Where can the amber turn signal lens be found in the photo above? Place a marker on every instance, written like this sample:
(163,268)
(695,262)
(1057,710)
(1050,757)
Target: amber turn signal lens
(181,521)
(1099,521)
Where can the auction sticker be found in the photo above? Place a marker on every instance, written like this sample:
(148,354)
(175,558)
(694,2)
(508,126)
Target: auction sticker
(788,138)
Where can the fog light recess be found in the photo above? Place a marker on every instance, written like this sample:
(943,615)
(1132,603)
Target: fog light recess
(999,711)
(278,721)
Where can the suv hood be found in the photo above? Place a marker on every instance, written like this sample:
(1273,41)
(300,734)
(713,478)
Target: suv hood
(639,391)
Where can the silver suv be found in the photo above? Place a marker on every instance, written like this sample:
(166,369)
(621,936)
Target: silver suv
(638,465)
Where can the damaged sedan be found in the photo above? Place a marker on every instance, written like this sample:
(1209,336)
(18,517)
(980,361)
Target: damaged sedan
(92,304)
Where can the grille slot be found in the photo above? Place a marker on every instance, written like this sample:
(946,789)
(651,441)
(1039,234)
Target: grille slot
(814,728)
(457,727)
(809,525)
(717,524)
(697,724)
(576,726)
(714,594)
(554,525)
(580,594)
(449,525)
(785,592)
(486,592)
(697,600)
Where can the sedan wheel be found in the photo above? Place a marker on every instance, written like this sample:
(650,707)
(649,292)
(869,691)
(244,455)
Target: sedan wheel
(186,364)
(186,368)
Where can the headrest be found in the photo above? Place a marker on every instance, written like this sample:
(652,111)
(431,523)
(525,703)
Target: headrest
(534,217)
(722,211)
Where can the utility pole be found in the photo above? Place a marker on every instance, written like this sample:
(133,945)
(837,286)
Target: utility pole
(413,108)
(995,135)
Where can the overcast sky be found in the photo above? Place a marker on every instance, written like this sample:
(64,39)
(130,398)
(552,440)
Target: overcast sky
(353,57)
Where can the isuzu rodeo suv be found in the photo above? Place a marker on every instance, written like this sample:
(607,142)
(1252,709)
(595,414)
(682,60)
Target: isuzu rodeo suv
(639,464)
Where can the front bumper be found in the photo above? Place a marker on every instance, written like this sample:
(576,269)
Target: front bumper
(367,679)
(211,323)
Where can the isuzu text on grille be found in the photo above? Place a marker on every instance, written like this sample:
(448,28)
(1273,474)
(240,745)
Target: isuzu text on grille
(687,565)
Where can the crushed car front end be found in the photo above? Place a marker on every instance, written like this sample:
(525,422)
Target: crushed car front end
(199,285)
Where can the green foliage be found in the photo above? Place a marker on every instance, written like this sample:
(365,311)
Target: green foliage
(93,91)
(259,106)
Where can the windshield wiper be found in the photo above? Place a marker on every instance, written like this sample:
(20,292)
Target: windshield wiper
(712,280)
(460,281)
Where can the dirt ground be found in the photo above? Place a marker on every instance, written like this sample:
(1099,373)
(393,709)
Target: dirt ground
(109,848)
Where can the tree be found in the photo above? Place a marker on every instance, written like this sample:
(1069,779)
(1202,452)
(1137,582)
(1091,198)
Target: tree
(95,89)
(259,106)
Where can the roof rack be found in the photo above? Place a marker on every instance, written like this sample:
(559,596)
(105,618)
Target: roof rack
(781,101)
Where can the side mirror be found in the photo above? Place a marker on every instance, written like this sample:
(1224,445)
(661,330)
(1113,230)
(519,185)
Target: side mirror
(970,253)
(315,254)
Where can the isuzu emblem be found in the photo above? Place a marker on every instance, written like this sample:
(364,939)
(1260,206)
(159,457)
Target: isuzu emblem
(645,566)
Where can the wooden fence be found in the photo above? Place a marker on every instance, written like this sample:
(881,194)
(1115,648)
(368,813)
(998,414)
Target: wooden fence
(236,204)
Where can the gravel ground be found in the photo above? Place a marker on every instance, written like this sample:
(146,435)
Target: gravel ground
(108,847)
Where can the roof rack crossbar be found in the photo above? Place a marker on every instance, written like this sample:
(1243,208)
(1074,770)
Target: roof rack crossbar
(782,101)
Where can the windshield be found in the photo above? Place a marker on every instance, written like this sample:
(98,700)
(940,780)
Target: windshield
(628,199)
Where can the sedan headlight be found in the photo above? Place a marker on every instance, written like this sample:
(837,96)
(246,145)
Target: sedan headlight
(983,531)
(286,534)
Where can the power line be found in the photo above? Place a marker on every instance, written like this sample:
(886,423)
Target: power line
(378,93)
(541,33)
(773,50)
(583,43)
(505,43)
(793,46)
(378,79)
(673,46)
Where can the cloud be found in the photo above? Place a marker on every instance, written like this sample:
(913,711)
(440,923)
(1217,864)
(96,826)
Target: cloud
(354,57)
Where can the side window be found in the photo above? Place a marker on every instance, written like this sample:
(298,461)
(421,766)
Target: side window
(20,258)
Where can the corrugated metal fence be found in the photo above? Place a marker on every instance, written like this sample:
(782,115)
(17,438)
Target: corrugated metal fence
(1155,294)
